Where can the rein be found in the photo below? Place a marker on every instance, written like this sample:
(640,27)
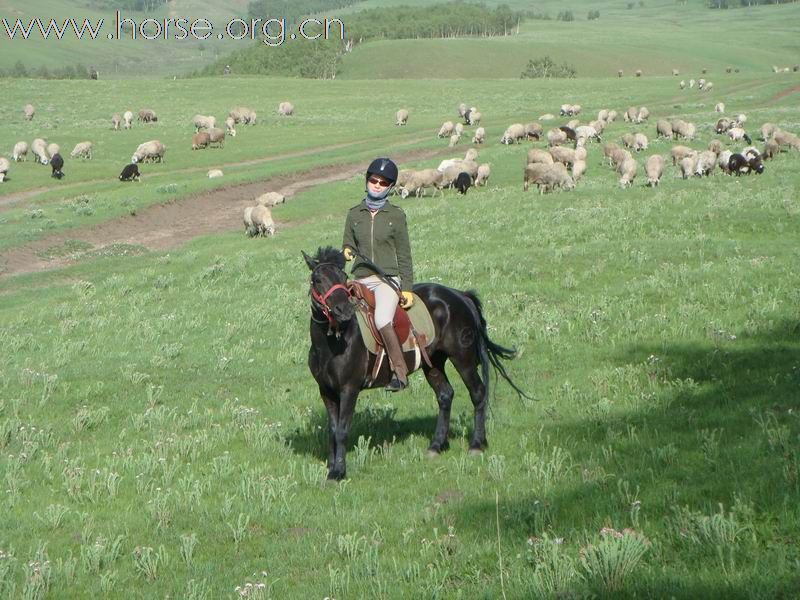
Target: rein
(320,301)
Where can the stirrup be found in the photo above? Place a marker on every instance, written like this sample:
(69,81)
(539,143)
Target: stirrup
(395,385)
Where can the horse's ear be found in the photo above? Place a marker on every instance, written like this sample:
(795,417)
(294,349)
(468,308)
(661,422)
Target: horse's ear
(309,261)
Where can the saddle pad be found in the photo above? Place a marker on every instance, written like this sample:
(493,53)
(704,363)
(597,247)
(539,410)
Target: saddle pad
(420,320)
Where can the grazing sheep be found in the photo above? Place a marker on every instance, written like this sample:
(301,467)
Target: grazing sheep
(82,150)
(514,134)
(654,169)
(578,169)
(459,130)
(147,115)
(4,167)
(39,149)
(627,171)
(640,142)
(214,173)
(475,117)
(771,149)
(598,125)
(468,114)
(723,161)
(701,83)
(480,136)
(401,117)
(200,140)
(241,114)
(484,172)
(723,125)
(556,137)
(127,118)
(643,114)
(463,182)
(20,151)
(249,229)
(688,165)
(57,164)
(216,136)
(471,154)
(682,84)
(706,161)
(53,149)
(583,133)
(664,128)
(416,181)
(620,73)
(612,116)
(151,151)
(29,111)
(116,120)
(602,114)
(740,120)
(715,146)
(547,177)
(719,107)
(675,72)
(270,199)
(203,122)
(230,126)
(786,138)
(630,114)
(756,166)
(709,86)
(462,110)
(286,109)
(261,217)
(683,129)
(629,140)
(447,163)
(454,140)
(737,134)
(572,124)
(537,155)
(546,117)
(740,165)
(533,131)
(608,151)
(130,173)
(638,74)
(446,130)
(768,130)
(566,156)
(691,83)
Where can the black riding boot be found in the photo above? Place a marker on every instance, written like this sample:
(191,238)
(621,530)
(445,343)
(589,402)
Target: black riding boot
(396,360)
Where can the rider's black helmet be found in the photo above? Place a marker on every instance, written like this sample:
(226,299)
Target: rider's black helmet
(384,167)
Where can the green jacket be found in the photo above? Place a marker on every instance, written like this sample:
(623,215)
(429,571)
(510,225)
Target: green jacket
(382,238)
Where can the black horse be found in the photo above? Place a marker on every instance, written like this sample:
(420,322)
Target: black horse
(341,363)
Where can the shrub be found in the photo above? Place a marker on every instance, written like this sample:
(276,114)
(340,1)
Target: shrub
(545,67)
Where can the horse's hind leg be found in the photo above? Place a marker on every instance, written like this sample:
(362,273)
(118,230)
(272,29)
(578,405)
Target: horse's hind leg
(437,379)
(480,401)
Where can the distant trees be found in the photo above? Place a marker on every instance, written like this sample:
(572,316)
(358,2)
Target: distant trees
(565,15)
(20,71)
(593,15)
(545,67)
(721,4)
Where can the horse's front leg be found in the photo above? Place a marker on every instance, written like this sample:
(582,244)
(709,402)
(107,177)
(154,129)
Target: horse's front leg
(331,401)
(343,410)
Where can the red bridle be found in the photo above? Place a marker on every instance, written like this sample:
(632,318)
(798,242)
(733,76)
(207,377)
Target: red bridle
(322,299)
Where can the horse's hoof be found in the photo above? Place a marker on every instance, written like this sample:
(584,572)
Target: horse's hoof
(475,451)
(433,453)
(334,475)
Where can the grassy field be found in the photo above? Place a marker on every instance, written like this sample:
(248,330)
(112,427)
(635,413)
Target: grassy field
(161,435)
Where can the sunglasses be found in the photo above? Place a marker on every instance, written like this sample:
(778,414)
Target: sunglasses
(380,182)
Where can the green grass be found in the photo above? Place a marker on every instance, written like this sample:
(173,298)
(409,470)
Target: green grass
(160,434)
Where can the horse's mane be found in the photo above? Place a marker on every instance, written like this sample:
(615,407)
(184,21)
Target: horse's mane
(329,254)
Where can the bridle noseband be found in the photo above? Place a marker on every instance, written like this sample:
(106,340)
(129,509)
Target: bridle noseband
(320,301)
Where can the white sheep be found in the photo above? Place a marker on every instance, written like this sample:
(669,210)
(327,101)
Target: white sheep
(640,142)
(768,130)
(578,169)
(723,161)
(533,130)
(116,120)
(203,122)
(417,181)
(29,111)
(83,150)
(547,177)
(537,155)
(691,83)
(39,150)
(663,128)
(217,136)
(612,116)
(20,151)
(484,171)
(454,140)
(642,115)
(688,165)
(53,149)
(678,153)
(546,117)
(150,151)
(709,86)
(514,134)
(475,117)
(627,170)
(654,169)
(719,107)
(249,228)
(705,163)
(459,130)
(127,118)
(214,173)
(480,136)
(471,154)
(556,137)
(462,110)
(402,117)
(446,130)
(4,167)
(682,84)
(270,199)
(286,109)
(740,120)
(261,217)
(230,126)
(738,134)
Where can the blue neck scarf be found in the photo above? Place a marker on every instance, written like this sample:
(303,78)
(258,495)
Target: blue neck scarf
(377,201)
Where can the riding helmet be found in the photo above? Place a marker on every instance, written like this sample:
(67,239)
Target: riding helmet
(384,167)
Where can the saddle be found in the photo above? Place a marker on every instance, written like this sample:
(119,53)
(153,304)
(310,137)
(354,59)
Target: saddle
(414,327)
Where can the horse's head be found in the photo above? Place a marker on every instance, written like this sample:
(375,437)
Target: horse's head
(329,293)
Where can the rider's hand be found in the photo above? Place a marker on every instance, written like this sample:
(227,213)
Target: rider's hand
(348,253)
(406,299)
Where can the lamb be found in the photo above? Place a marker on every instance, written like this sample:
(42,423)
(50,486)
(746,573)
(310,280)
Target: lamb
(463,182)
(29,111)
(20,151)
(203,122)
(654,169)
(130,173)
(768,130)
(533,131)
(4,167)
(484,172)
(261,217)
(578,169)
(147,115)
(737,134)
(454,140)
(214,173)
(459,129)
(480,136)
(640,142)
(40,151)
(53,149)
(216,136)
(475,117)
(200,140)
(230,127)
(286,109)
(688,165)
(771,149)
(149,152)
(715,146)
(642,115)
(270,199)
(683,84)
(127,118)
(446,130)
(537,155)
(663,128)
(546,117)
(401,117)
(57,164)
(417,181)
(719,107)
(515,133)
(706,161)
(627,171)
(116,120)
(83,150)
(556,137)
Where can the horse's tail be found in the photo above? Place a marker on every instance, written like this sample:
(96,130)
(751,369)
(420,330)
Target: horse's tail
(489,352)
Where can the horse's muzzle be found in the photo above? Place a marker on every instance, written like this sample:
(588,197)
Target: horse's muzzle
(342,312)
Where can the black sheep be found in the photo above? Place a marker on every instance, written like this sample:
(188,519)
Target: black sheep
(129,173)
(738,164)
(467,113)
(463,182)
(57,163)
(570,133)
(747,139)
(755,164)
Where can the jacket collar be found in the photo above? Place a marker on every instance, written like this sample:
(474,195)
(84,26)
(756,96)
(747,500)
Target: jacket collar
(363,206)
